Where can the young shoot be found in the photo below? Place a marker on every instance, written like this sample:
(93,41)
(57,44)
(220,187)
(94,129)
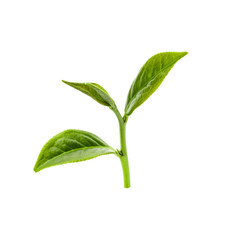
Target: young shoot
(76,145)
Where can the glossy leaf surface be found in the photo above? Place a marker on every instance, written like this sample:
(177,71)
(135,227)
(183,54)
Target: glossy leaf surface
(95,91)
(71,146)
(150,77)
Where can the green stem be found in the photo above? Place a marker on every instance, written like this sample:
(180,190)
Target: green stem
(123,152)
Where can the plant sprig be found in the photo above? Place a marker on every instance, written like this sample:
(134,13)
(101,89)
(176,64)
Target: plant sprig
(76,145)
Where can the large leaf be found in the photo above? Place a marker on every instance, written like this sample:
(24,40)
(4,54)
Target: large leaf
(95,91)
(149,78)
(71,146)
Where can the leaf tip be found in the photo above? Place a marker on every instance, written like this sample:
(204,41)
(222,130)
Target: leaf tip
(71,84)
(184,54)
(36,168)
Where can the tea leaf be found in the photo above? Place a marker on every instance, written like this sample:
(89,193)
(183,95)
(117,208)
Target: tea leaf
(71,146)
(149,78)
(95,91)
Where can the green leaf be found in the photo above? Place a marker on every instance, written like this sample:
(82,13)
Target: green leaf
(95,91)
(149,78)
(71,146)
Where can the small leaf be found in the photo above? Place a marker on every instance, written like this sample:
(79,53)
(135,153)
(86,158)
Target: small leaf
(95,91)
(71,146)
(149,78)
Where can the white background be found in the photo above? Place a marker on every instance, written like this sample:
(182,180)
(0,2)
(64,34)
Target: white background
(176,139)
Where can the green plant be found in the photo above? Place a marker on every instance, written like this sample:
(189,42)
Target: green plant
(76,145)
